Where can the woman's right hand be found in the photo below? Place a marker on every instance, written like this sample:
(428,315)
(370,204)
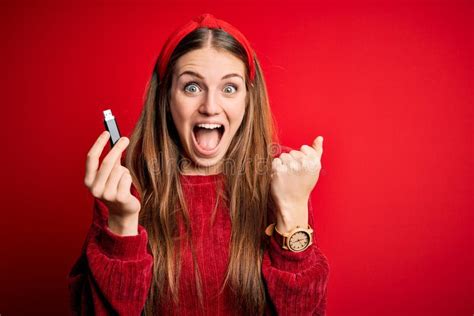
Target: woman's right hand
(111,184)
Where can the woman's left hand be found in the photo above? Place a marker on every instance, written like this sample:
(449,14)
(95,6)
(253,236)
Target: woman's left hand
(294,176)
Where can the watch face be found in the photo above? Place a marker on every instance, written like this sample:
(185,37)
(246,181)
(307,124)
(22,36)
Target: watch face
(299,241)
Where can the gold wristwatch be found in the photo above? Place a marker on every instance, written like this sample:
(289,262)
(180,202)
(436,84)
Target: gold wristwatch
(297,240)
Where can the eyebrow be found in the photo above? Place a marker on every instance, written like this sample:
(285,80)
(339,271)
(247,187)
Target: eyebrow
(195,74)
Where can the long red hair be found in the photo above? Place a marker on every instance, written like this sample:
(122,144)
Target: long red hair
(152,157)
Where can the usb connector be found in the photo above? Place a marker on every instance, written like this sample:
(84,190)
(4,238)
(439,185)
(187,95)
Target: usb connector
(111,126)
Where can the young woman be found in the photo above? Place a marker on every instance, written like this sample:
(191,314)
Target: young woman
(205,216)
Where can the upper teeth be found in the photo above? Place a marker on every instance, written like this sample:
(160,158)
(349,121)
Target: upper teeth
(210,126)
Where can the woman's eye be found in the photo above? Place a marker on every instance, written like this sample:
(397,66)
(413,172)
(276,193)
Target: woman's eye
(191,87)
(230,89)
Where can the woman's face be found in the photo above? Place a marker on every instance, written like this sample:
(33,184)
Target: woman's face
(207,105)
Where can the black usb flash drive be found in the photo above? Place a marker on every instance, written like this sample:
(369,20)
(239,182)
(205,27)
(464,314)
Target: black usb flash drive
(112,127)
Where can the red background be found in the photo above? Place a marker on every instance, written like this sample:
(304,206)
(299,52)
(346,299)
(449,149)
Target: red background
(389,84)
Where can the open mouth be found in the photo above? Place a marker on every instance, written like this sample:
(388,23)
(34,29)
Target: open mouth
(207,137)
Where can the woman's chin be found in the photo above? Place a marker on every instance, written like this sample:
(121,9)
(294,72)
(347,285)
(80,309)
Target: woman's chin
(206,162)
(203,165)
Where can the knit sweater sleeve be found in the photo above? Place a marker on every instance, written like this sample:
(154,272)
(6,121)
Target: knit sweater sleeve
(296,282)
(113,273)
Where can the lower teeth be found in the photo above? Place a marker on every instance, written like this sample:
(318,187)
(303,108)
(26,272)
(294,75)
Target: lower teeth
(207,139)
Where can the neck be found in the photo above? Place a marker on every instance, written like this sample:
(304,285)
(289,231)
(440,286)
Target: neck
(194,169)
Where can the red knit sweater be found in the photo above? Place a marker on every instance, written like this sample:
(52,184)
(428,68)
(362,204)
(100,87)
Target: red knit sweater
(113,273)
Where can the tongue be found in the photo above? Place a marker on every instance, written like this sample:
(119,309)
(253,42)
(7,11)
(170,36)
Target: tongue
(207,138)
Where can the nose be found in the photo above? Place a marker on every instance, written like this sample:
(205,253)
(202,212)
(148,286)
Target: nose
(210,105)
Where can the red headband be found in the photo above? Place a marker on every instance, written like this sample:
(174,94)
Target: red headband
(209,21)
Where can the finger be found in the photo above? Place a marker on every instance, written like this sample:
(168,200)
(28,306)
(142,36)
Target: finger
(318,145)
(110,161)
(92,161)
(276,163)
(278,166)
(292,160)
(289,163)
(297,154)
(286,158)
(110,189)
(123,189)
(311,164)
(308,151)
(118,161)
(115,154)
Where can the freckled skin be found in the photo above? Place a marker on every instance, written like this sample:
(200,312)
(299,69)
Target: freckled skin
(212,98)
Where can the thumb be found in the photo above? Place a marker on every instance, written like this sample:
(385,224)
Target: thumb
(318,144)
